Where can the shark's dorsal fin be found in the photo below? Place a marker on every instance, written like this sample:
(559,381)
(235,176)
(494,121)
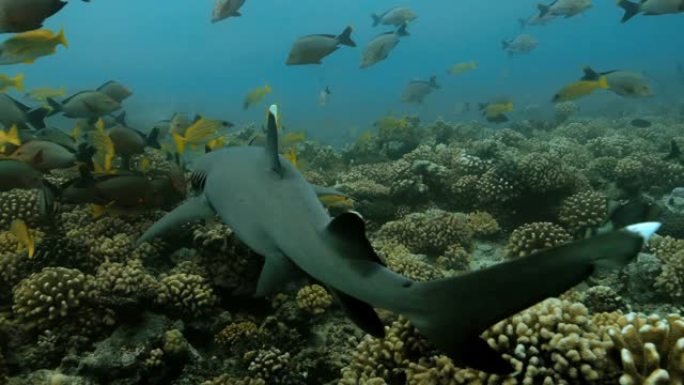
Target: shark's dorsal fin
(272,140)
(351,229)
(361,313)
(277,272)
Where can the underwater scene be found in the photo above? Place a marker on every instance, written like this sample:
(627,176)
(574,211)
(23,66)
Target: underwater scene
(243,192)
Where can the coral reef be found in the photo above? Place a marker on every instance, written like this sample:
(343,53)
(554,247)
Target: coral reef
(188,294)
(314,299)
(583,210)
(534,237)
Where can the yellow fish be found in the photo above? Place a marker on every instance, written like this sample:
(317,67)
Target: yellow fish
(496,112)
(9,137)
(336,201)
(580,89)
(256,95)
(391,123)
(17,82)
(42,94)
(291,155)
(216,143)
(24,238)
(200,132)
(28,46)
(294,138)
(460,68)
(104,149)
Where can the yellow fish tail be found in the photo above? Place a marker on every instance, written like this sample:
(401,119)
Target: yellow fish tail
(18,82)
(24,239)
(61,38)
(603,82)
(180,142)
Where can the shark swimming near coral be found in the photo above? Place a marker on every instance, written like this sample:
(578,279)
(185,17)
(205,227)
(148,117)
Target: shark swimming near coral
(276,212)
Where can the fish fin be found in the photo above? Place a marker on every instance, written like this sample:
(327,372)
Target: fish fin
(350,229)
(504,44)
(272,139)
(523,23)
(121,118)
(631,9)
(61,38)
(590,74)
(152,139)
(20,230)
(362,314)
(36,117)
(675,152)
(12,136)
(180,142)
(452,318)
(376,19)
(345,37)
(55,106)
(236,14)
(543,9)
(433,82)
(46,199)
(38,158)
(277,272)
(18,82)
(402,31)
(192,210)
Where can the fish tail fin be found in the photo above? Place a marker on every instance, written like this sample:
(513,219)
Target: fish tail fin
(523,23)
(55,106)
(631,9)
(345,37)
(20,230)
(590,74)
(36,117)
(543,9)
(121,118)
(453,312)
(152,139)
(433,82)
(180,142)
(61,38)
(376,19)
(505,44)
(18,82)
(47,206)
(12,136)
(402,30)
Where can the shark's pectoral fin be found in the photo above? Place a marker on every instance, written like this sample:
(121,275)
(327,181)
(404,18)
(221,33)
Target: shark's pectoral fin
(193,209)
(278,271)
(481,356)
(350,230)
(362,314)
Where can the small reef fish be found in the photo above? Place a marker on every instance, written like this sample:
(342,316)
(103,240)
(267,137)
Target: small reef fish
(312,49)
(650,8)
(324,96)
(522,44)
(417,90)
(16,82)
(566,8)
(224,9)
(628,84)
(215,144)
(396,16)
(26,15)
(103,160)
(10,136)
(255,96)
(27,47)
(460,68)
(496,111)
(198,134)
(14,112)
(583,87)
(640,123)
(25,240)
(85,104)
(380,47)
(18,174)
(42,94)
(277,214)
(115,90)
(44,156)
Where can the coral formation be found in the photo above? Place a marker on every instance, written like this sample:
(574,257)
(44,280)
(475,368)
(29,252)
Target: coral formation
(314,299)
(583,210)
(534,237)
(189,294)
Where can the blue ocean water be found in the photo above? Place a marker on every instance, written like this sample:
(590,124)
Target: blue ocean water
(176,60)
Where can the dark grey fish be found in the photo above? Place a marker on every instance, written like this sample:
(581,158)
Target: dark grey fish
(276,212)
(14,112)
(26,15)
(85,104)
(18,174)
(115,90)
(224,9)
(396,16)
(380,47)
(312,49)
(417,90)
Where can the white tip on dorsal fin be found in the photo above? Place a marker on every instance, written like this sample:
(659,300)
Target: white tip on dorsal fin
(272,139)
(645,229)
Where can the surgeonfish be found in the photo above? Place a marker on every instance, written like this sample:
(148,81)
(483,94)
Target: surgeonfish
(115,90)
(521,44)
(396,16)
(312,49)
(27,47)
(276,213)
(85,104)
(255,96)
(417,90)
(460,68)
(25,240)
(224,9)
(379,48)
(650,8)
(16,82)
(566,8)
(26,15)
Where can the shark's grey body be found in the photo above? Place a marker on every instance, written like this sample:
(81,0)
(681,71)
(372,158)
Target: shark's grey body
(271,208)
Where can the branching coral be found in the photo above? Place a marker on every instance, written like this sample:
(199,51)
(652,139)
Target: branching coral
(482,224)
(118,283)
(314,299)
(271,365)
(238,334)
(542,173)
(187,293)
(670,251)
(401,260)
(651,349)
(534,237)
(583,210)
(19,204)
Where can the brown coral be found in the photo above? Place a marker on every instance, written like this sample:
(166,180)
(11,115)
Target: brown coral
(535,237)
(190,294)
(314,299)
(583,210)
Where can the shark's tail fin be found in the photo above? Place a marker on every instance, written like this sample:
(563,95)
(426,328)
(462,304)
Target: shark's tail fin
(631,9)
(455,311)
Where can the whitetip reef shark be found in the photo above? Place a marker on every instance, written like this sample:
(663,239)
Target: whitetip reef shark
(270,207)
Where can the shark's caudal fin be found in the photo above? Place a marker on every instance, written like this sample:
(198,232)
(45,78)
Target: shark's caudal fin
(457,310)
(193,209)
(272,139)
(631,9)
